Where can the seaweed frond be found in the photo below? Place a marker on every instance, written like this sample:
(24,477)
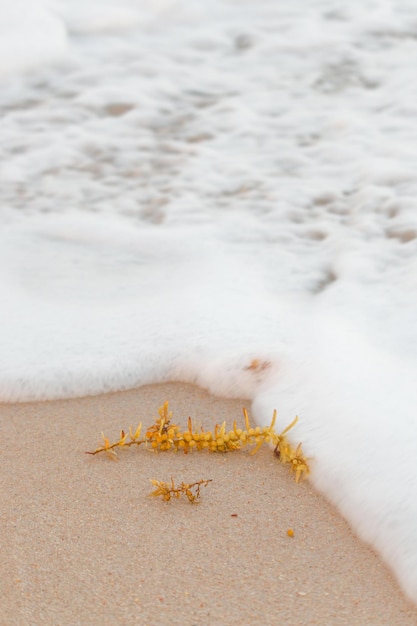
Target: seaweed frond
(168,490)
(163,435)
(109,448)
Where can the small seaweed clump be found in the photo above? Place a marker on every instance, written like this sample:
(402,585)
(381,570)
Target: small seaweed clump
(169,490)
(163,435)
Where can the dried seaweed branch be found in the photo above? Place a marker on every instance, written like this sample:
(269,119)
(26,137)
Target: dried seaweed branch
(163,435)
(169,490)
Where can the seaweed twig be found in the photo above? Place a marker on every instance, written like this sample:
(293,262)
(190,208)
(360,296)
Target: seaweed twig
(163,435)
(169,490)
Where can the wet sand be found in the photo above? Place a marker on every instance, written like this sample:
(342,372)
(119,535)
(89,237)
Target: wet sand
(83,544)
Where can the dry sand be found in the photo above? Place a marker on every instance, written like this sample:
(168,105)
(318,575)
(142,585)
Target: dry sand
(82,544)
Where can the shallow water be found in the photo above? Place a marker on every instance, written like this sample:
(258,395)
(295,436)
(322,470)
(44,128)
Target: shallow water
(187,189)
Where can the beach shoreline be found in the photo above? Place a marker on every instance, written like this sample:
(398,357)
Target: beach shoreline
(82,542)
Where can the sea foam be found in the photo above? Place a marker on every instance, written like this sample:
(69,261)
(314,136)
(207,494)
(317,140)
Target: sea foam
(30,35)
(194,189)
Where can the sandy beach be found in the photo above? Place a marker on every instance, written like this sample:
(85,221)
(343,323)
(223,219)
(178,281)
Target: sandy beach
(83,544)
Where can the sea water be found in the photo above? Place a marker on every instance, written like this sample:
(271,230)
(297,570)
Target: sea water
(223,193)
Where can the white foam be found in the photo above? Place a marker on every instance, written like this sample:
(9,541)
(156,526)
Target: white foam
(200,186)
(92,17)
(30,36)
